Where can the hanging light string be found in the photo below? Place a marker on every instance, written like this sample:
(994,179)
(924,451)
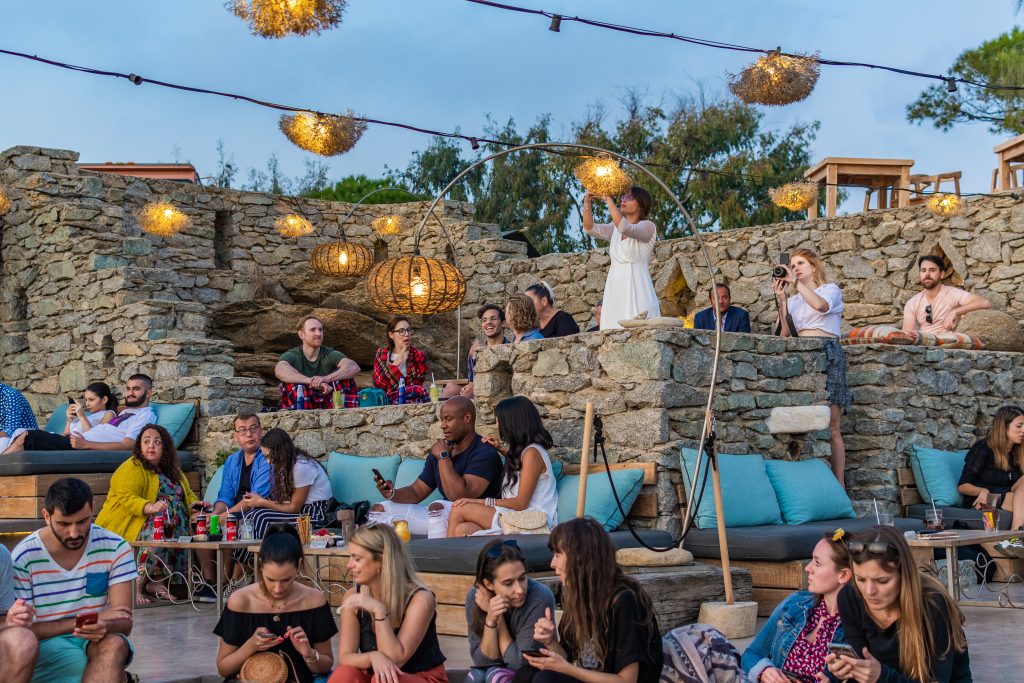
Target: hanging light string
(474,140)
(557,19)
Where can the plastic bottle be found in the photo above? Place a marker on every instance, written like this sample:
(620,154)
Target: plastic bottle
(401,391)
(300,398)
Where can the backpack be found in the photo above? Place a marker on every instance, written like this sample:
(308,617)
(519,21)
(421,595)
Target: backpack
(700,654)
(372,396)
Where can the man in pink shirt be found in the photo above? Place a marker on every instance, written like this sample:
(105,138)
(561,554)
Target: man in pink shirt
(938,307)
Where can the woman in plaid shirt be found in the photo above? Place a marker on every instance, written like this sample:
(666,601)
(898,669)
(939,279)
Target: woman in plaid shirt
(401,359)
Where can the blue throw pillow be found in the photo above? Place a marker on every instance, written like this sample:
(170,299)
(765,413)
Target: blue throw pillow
(213,486)
(408,472)
(57,421)
(600,501)
(807,491)
(937,474)
(176,418)
(747,495)
(352,479)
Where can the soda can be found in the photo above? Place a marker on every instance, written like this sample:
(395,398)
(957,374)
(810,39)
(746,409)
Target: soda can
(201,528)
(158,528)
(214,525)
(230,528)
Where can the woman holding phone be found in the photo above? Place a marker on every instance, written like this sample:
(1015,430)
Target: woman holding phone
(902,624)
(100,408)
(278,614)
(501,609)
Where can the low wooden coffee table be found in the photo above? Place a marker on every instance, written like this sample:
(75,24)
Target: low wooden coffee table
(220,548)
(951,543)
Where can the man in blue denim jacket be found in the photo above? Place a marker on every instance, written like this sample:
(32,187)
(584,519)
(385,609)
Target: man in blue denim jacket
(828,571)
(245,470)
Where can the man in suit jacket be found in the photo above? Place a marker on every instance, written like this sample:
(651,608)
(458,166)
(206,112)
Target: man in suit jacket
(734,319)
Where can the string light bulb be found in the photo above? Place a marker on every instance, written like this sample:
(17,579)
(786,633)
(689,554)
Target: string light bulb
(293,225)
(776,79)
(5,202)
(279,18)
(794,196)
(390,224)
(162,219)
(603,177)
(324,134)
(556,23)
(945,205)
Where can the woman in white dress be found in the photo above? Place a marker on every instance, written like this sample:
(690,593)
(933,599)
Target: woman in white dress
(528,481)
(628,290)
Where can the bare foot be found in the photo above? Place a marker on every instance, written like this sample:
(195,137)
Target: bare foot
(15,446)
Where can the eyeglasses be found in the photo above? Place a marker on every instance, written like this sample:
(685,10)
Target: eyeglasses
(494,552)
(403,330)
(626,198)
(242,431)
(928,314)
(876,549)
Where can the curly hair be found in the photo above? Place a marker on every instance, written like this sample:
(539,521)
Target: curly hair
(168,464)
(522,316)
(282,454)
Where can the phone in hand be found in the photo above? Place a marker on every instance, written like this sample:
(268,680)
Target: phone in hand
(842,649)
(534,653)
(378,477)
(72,400)
(792,676)
(86,619)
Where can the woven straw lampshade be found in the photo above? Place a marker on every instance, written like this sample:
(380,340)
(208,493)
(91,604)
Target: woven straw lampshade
(603,177)
(5,202)
(945,204)
(162,219)
(341,259)
(415,285)
(279,18)
(293,225)
(795,196)
(390,224)
(324,134)
(776,79)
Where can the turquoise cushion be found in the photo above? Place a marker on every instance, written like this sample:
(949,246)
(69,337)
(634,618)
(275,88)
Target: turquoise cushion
(213,486)
(176,418)
(556,468)
(747,495)
(408,472)
(352,480)
(807,491)
(600,501)
(937,474)
(58,420)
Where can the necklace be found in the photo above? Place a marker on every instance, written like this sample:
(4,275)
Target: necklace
(277,609)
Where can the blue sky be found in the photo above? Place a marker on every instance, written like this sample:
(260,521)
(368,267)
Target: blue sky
(444,64)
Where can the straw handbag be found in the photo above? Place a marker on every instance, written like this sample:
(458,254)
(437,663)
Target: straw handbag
(523,522)
(267,667)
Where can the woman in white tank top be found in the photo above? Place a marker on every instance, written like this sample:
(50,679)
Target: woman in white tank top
(528,480)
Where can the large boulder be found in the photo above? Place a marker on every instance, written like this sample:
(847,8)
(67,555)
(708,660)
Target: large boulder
(999,330)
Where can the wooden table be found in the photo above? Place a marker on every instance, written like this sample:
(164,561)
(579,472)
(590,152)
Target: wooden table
(950,544)
(873,173)
(1006,153)
(220,548)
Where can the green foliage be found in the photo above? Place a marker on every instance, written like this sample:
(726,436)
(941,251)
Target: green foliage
(1000,60)
(354,187)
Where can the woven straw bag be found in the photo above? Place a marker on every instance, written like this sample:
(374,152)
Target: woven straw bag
(523,522)
(266,667)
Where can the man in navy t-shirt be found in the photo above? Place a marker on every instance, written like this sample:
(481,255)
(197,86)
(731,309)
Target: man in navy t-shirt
(459,466)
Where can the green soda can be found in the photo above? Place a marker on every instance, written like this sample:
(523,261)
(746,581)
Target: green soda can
(214,525)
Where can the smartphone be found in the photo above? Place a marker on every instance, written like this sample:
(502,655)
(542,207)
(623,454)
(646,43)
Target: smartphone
(533,653)
(86,619)
(72,400)
(378,477)
(792,677)
(842,649)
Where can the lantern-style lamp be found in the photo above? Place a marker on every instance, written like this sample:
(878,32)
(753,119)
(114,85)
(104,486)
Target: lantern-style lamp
(5,202)
(341,259)
(279,18)
(390,224)
(945,204)
(293,225)
(794,196)
(162,219)
(776,79)
(603,177)
(324,134)
(415,284)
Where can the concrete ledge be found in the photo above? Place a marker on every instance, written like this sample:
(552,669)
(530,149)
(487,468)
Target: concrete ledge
(798,419)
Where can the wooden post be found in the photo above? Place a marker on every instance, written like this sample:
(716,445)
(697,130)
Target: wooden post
(588,430)
(723,546)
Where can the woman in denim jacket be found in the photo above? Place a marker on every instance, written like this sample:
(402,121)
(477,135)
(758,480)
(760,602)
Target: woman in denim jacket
(795,638)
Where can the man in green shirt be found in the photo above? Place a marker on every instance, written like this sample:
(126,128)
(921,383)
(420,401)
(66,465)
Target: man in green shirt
(318,368)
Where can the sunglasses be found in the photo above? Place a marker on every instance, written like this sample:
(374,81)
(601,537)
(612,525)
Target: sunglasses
(876,549)
(626,198)
(494,552)
(928,314)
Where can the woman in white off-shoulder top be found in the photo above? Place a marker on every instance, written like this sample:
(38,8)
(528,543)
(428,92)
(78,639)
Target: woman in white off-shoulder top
(628,290)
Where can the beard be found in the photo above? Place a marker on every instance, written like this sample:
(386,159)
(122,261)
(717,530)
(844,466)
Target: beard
(69,543)
(134,403)
(930,284)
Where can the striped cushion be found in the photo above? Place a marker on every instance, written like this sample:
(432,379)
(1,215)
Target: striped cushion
(877,334)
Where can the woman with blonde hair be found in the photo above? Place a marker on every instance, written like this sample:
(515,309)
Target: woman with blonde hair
(521,318)
(815,309)
(901,622)
(388,618)
(994,466)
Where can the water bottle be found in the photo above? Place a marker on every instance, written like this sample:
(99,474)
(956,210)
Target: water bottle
(401,391)
(300,398)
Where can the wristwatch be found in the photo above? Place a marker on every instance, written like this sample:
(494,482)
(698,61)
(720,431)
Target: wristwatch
(314,659)
(444,455)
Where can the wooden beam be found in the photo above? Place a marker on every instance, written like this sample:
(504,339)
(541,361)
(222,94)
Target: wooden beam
(650,469)
(30,507)
(646,506)
(905,477)
(789,575)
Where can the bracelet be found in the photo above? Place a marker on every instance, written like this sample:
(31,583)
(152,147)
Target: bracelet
(383,618)
(489,502)
(494,625)
(391,496)
(314,659)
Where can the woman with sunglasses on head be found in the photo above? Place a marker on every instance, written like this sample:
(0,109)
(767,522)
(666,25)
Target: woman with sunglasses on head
(528,480)
(994,465)
(608,632)
(794,641)
(815,309)
(903,625)
(501,609)
(401,361)
(628,289)
(388,618)
(277,614)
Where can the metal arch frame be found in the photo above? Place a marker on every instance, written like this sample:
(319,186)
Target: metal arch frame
(709,417)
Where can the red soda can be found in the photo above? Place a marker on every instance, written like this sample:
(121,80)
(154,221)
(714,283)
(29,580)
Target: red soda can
(230,528)
(158,528)
(201,529)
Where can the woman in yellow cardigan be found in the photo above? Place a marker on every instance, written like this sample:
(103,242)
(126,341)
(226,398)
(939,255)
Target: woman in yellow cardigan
(148,485)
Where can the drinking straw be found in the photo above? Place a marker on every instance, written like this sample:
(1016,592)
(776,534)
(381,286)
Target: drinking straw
(935,513)
(877,520)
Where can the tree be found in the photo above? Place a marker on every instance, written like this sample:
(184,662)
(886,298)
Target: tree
(354,187)
(226,168)
(1000,60)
